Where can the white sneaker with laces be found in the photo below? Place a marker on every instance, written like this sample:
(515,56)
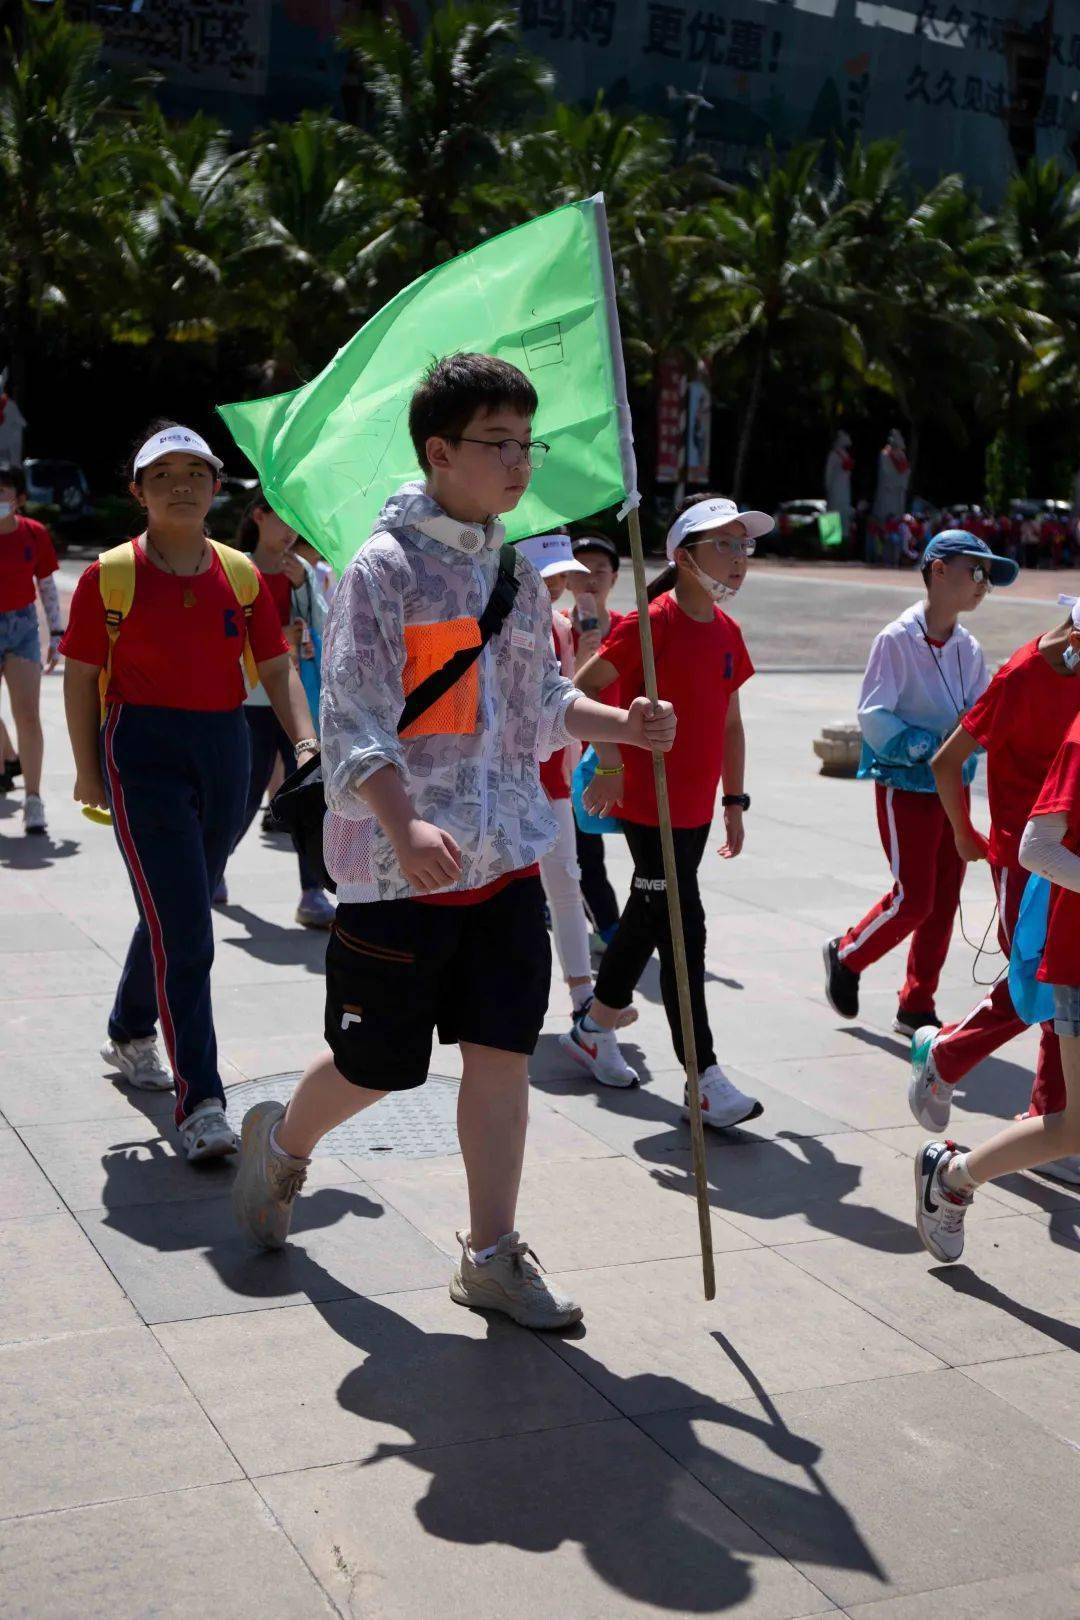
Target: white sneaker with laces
(207,1134)
(598,1051)
(722,1103)
(315,910)
(929,1098)
(511,1283)
(139,1062)
(34,816)
(939,1212)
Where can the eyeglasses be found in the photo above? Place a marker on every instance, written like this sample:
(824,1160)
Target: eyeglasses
(511,451)
(728,548)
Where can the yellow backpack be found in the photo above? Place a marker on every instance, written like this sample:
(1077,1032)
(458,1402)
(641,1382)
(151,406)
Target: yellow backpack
(117,584)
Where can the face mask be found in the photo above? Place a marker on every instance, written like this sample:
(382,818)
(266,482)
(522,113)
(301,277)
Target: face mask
(7,510)
(718,591)
(1071,657)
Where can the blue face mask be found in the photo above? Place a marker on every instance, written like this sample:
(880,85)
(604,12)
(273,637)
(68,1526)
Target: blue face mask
(1071,657)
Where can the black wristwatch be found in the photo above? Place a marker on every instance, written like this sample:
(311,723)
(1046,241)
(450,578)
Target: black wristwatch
(741,799)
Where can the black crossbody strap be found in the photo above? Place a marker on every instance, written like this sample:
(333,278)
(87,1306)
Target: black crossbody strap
(490,622)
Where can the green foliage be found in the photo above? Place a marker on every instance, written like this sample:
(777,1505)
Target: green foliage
(826,287)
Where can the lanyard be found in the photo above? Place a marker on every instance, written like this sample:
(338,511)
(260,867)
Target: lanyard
(944,681)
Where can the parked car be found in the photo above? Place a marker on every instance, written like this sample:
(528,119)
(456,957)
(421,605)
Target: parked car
(796,533)
(51,481)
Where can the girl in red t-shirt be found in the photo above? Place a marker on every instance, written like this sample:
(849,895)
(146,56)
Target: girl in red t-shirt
(27,568)
(171,762)
(946,1177)
(701,662)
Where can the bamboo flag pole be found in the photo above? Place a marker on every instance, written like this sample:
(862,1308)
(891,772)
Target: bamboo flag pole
(674,904)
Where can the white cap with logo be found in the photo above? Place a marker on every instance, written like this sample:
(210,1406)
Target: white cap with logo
(711,515)
(175,438)
(552,554)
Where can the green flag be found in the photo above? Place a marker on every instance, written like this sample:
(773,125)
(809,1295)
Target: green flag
(541,296)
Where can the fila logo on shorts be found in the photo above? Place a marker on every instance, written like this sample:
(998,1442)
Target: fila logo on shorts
(351,1015)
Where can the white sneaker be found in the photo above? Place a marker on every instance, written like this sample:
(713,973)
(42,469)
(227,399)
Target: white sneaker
(207,1134)
(1066,1170)
(929,1098)
(722,1103)
(598,1051)
(315,910)
(939,1212)
(33,816)
(139,1062)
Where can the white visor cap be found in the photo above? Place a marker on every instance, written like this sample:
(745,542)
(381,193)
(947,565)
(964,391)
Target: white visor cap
(552,554)
(711,515)
(176,438)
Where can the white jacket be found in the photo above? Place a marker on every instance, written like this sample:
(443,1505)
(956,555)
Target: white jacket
(912,698)
(470,765)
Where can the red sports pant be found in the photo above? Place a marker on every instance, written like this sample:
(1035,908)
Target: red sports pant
(922,902)
(993,1020)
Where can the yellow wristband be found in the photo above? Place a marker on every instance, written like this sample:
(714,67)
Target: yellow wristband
(608,770)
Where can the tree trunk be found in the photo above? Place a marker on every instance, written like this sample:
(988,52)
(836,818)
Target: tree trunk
(749,418)
(913,455)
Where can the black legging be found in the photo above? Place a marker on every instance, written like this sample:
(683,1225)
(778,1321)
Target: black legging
(643,928)
(268,742)
(596,888)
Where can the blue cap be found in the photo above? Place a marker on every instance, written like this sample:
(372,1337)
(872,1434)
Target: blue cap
(959,543)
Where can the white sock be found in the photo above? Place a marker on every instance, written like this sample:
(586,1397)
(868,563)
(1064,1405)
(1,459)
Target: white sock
(275,1147)
(480,1257)
(580,995)
(955,1177)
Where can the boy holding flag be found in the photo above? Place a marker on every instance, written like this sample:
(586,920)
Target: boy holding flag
(434,835)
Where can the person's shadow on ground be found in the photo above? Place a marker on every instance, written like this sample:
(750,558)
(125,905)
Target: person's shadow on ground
(445,1389)
(748,1175)
(269,942)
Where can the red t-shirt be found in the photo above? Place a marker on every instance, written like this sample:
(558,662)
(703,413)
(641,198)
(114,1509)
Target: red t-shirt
(280,587)
(1061,795)
(700,665)
(26,554)
(181,645)
(1020,720)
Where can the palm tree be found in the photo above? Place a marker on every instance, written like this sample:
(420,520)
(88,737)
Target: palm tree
(62,159)
(447,115)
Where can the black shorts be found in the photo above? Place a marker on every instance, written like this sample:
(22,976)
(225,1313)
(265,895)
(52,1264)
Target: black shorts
(398,969)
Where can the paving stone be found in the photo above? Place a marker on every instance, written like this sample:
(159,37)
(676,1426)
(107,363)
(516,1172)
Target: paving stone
(38,932)
(653,1342)
(358,1379)
(53,1091)
(92,1416)
(797,1469)
(177,1261)
(1014,1295)
(587,1213)
(87,1561)
(1045,1388)
(54,1282)
(1048,1594)
(620,1530)
(24,1189)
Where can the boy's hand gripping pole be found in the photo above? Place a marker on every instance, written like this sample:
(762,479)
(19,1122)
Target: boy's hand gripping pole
(674,905)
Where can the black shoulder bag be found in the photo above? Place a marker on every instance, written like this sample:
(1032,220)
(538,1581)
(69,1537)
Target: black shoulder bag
(300,802)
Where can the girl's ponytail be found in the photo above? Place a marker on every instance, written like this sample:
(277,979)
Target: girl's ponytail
(667,576)
(247,531)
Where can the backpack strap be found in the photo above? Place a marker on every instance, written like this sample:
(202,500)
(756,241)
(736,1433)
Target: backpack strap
(116,581)
(243,576)
(490,622)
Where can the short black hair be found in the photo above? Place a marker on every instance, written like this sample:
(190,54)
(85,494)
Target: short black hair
(159,425)
(598,542)
(14,477)
(458,386)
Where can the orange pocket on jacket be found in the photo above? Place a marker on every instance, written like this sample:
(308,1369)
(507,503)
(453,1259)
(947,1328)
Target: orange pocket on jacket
(427,648)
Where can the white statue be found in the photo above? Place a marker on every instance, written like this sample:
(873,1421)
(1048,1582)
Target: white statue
(12,428)
(838,467)
(894,473)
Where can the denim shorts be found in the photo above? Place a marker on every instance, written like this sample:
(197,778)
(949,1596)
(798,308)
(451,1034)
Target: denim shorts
(1067,1010)
(19,634)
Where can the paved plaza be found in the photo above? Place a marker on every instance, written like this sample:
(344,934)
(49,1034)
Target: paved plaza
(191,1428)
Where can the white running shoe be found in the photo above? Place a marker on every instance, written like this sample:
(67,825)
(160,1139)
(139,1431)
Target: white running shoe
(139,1062)
(929,1098)
(722,1103)
(207,1134)
(33,816)
(315,910)
(939,1213)
(598,1051)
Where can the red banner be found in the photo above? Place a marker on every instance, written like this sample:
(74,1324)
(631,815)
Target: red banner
(670,420)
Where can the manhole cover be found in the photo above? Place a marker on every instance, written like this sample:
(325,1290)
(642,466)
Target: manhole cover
(420,1124)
